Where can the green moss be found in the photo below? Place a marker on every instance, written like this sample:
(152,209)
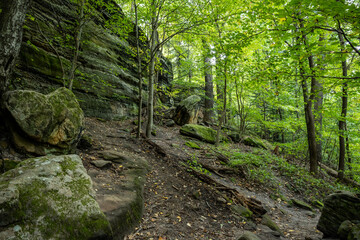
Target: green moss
(242,211)
(42,61)
(202,133)
(267,221)
(254,142)
(68,164)
(301,204)
(192,145)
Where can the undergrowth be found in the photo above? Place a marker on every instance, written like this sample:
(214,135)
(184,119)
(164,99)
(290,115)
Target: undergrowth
(276,173)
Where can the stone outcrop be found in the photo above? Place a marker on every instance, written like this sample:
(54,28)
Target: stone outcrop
(122,198)
(338,207)
(106,77)
(54,121)
(50,198)
(187,111)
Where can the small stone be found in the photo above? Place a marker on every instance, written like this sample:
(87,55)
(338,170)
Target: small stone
(251,226)
(267,221)
(101,163)
(169,123)
(222,200)
(354,233)
(241,211)
(174,145)
(113,156)
(248,236)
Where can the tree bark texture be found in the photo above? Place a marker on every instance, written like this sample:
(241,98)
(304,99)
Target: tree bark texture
(12,17)
(133,5)
(209,92)
(342,121)
(314,96)
(150,108)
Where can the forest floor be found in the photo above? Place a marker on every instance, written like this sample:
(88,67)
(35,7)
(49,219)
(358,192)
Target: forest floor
(178,205)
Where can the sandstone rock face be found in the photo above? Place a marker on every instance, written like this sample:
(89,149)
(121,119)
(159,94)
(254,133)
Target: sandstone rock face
(50,198)
(106,77)
(338,207)
(55,119)
(187,111)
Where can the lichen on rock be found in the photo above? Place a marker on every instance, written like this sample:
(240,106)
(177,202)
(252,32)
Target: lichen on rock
(50,198)
(187,111)
(55,119)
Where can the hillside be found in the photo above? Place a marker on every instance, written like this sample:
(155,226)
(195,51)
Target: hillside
(180,204)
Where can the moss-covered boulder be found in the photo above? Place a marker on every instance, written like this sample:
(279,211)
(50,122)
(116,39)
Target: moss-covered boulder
(202,133)
(54,119)
(254,142)
(338,207)
(50,198)
(187,111)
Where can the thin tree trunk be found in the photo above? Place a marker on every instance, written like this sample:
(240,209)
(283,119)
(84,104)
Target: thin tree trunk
(139,68)
(342,121)
(209,92)
(223,115)
(318,103)
(348,153)
(241,107)
(12,17)
(150,109)
(77,37)
(308,101)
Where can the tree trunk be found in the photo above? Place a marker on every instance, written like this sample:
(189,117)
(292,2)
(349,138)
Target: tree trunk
(12,17)
(315,153)
(223,115)
(139,68)
(310,126)
(342,121)
(209,92)
(77,38)
(150,109)
(241,105)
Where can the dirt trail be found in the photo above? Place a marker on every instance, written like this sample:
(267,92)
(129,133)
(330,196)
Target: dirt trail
(180,206)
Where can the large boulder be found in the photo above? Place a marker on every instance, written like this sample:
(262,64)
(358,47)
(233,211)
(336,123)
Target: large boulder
(202,133)
(50,198)
(54,119)
(121,198)
(187,111)
(338,207)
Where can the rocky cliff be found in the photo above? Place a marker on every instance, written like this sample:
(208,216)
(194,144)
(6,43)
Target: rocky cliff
(105,80)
